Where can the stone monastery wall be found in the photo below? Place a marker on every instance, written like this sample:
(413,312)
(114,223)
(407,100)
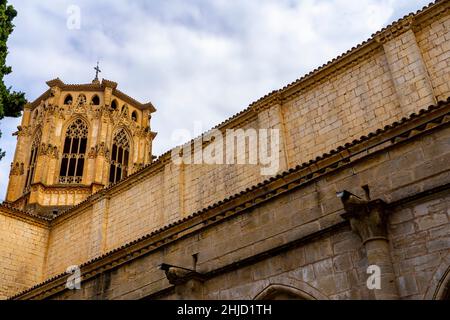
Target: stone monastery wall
(400,70)
(22,253)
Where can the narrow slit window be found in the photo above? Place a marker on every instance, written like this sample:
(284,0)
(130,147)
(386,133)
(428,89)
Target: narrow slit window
(32,162)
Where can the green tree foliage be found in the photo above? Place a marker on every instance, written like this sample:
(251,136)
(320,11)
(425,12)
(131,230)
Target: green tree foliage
(11,102)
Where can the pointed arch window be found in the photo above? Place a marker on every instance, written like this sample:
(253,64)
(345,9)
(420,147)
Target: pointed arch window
(96,100)
(32,161)
(119,157)
(134,116)
(68,100)
(74,153)
(114,105)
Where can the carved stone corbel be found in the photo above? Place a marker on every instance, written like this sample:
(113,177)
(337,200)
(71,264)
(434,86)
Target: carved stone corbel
(188,283)
(17,169)
(179,275)
(367,217)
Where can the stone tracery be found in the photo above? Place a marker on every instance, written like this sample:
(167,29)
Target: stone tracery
(73,156)
(119,157)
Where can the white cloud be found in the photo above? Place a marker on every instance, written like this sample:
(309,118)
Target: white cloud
(195,60)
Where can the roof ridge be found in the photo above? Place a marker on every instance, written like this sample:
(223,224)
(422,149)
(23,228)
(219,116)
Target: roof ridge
(7,206)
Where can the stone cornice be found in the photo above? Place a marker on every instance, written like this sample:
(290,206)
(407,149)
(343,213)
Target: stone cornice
(426,121)
(394,30)
(57,188)
(94,86)
(143,106)
(274,98)
(322,74)
(366,48)
(430,13)
(68,188)
(24,216)
(238,121)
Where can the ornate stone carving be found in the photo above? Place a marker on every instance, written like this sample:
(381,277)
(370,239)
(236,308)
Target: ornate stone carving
(367,217)
(48,150)
(122,118)
(22,131)
(141,132)
(99,150)
(17,169)
(53,92)
(96,113)
(137,166)
(80,105)
(179,275)
(40,116)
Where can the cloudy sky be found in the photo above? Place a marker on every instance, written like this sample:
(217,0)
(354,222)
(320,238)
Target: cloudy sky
(195,60)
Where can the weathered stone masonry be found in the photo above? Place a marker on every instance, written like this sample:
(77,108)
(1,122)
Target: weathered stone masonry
(290,236)
(289,232)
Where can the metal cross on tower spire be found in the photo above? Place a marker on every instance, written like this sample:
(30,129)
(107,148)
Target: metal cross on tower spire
(97,70)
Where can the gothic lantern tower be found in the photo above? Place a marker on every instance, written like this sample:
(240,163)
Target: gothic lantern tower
(74,140)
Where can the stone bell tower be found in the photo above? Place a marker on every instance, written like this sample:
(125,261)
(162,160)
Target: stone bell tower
(74,140)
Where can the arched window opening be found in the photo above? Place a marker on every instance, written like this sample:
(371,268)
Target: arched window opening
(81,99)
(32,161)
(134,116)
(96,100)
(72,163)
(35,114)
(119,157)
(114,105)
(68,100)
